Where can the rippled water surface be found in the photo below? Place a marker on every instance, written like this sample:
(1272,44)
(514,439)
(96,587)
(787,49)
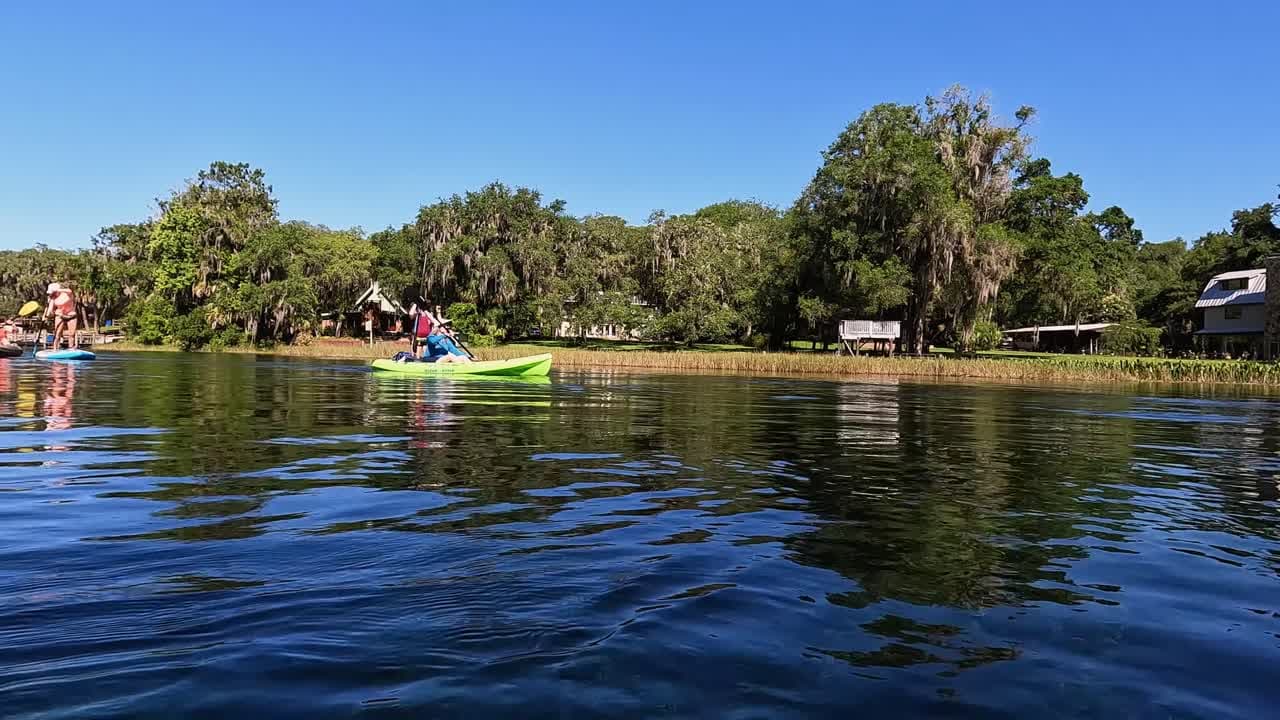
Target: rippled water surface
(207,536)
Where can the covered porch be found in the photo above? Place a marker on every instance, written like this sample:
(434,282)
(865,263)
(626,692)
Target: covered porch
(1080,338)
(1230,344)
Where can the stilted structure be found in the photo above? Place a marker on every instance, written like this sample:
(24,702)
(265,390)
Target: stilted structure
(882,334)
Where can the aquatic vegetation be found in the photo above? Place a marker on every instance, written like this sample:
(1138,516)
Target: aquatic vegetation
(1029,367)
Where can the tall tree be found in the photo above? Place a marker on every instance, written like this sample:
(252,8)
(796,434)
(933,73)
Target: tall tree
(492,248)
(925,187)
(599,274)
(217,214)
(980,155)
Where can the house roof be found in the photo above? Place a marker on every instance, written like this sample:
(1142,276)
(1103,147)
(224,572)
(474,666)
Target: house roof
(375,295)
(1083,327)
(1254,294)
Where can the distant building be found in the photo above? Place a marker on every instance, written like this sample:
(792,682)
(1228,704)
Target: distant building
(1078,338)
(571,328)
(373,314)
(1235,313)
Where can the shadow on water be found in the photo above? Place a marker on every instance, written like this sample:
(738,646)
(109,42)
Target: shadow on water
(208,534)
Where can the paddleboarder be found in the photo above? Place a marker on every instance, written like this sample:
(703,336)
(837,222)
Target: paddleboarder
(62,308)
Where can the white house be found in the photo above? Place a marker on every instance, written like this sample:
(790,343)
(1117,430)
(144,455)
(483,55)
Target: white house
(1235,312)
(569,328)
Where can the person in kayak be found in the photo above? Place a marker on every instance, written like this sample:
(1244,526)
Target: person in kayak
(8,338)
(62,308)
(435,337)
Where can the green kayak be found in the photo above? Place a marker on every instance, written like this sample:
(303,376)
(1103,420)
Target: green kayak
(526,366)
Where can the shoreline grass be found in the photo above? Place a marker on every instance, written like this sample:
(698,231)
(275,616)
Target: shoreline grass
(727,359)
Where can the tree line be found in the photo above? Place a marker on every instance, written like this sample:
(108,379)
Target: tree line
(936,214)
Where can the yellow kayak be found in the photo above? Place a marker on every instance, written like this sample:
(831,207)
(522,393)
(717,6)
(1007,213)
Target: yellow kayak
(531,365)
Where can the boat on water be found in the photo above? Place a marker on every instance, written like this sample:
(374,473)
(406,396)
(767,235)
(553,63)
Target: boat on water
(8,350)
(479,380)
(67,354)
(531,365)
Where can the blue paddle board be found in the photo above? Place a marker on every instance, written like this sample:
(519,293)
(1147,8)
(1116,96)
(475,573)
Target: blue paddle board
(65,355)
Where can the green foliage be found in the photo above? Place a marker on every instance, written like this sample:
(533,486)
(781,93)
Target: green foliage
(1161,295)
(24,275)
(489,247)
(931,213)
(150,321)
(1074,266)
(190,332)
(1253,236)
(697,274)
(397,261)
(173,249)
(926,187)
(986,336)
(1131,338)
(478,328)
(227,337)
(1116,307)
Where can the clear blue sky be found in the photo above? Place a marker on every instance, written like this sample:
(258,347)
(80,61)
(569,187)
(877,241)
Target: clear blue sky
(362,112)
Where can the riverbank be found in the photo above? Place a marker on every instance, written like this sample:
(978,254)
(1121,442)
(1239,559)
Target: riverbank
(1029,367)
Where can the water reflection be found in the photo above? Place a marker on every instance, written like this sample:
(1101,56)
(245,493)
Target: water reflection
(627,544)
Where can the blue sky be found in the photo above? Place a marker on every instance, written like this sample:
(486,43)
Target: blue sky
(361,112)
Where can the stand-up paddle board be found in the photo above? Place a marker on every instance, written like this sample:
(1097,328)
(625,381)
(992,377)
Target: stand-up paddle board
(65,355)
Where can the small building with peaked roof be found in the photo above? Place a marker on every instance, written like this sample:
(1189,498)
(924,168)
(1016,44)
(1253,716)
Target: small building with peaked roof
(375,298)
(373,312)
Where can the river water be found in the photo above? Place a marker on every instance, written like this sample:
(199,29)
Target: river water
(207,536)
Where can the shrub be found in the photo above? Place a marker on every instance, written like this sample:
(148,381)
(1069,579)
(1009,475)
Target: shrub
(1131,338)
(480,329)
(986,336)
(191,331)
(150,321)
(227,337)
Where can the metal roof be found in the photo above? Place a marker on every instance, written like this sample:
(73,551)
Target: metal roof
(1083,327)
(374,295)
(1254,294)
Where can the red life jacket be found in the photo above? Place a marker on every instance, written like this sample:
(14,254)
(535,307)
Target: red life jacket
(422,326)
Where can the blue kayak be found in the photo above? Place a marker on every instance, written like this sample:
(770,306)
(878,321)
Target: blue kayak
(65,355)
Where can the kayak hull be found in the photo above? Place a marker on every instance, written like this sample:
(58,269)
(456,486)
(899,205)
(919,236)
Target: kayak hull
(530,366)
(8,350)
(65,355)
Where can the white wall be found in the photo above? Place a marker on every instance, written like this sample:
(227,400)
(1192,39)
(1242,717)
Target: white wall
(1251,320)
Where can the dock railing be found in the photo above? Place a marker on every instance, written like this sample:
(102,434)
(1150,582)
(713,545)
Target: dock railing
(853,333)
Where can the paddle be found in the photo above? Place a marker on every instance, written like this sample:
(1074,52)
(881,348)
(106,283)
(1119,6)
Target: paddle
(455,339)
(449,333)
(29,308)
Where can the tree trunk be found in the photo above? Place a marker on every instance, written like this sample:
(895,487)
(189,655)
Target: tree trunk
(913,323)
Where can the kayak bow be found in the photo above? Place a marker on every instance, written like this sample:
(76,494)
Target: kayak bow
(532,365)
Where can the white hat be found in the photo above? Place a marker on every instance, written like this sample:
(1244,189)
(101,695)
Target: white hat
(53,288)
